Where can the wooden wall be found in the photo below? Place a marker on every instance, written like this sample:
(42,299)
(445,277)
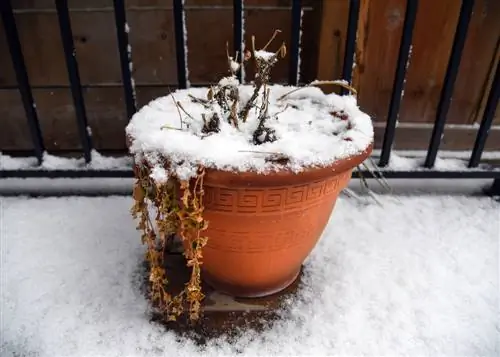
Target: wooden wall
(209,24)
(379,35)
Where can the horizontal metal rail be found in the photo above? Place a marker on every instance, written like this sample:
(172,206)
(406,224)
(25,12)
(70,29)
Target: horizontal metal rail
(389,174)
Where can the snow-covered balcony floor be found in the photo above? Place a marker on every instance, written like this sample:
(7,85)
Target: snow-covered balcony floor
(417,276)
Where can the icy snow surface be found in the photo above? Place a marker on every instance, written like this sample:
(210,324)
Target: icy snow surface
(51,162)
(307,133)
(418,276)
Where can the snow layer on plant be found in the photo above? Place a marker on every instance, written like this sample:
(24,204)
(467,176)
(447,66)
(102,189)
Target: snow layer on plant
(416,277)
(308,134)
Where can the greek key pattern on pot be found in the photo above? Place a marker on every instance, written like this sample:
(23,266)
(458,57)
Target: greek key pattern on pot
(269,200)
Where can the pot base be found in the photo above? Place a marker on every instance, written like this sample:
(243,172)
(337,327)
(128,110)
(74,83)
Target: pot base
(249,292)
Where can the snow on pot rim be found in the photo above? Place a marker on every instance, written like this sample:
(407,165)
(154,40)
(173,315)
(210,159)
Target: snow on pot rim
(313,129)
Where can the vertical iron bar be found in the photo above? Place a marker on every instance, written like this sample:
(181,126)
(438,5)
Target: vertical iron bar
(17,57)
(180,43)
(494,189)
(399,78)
(238,33)
(123,49)
(74,77)
(489,113)
(350,42)
(449,81)
(293,76)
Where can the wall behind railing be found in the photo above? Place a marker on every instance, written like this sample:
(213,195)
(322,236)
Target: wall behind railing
(152,40)
(379,35)
(209,25)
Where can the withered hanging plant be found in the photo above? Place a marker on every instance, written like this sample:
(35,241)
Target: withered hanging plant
(178,201)
(179,211)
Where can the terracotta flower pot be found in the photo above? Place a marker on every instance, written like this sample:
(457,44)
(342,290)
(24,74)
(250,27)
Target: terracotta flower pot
(262,227)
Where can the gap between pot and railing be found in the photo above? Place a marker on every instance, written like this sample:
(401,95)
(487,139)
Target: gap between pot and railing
(473,168)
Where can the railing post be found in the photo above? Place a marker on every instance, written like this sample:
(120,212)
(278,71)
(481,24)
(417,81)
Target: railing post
(125,60)
(488,116)
(494,189)
(449,81)
(399,78)
(350,42)
(180,43)
(74,77)
(238,34)
(16,54)
(294,73)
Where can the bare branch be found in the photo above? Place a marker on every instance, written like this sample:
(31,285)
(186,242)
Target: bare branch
(319,83)
(179,105)
(276,32)
(176,105)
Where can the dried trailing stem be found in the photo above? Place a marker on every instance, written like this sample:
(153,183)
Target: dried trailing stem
(176,215)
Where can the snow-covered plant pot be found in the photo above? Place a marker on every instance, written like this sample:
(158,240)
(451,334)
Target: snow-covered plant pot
(245,175)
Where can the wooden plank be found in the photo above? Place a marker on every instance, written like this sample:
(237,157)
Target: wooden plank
(481,49)
(379,35)
(105,111)
(14,133)
(432,40)
(42,49)
(361,44)
(153,46)
(152,41)
(7,74)
(97,4)
(331,40)
(380,46)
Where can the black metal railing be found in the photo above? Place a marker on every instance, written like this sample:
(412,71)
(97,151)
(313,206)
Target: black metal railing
(427,170)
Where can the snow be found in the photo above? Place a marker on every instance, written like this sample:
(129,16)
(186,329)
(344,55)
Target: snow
(159,174)
(51,162)
(417,276)
(443,154)
(308,134)
(228,81)
(264,55)
(235,66)
(299,58)
(131,67)
(242,68)
(185,33)
(444,162)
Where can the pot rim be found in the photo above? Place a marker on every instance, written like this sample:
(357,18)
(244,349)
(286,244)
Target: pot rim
(226,177)
(280,177)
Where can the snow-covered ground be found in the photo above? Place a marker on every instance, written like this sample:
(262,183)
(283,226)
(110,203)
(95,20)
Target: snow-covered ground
(417,276)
